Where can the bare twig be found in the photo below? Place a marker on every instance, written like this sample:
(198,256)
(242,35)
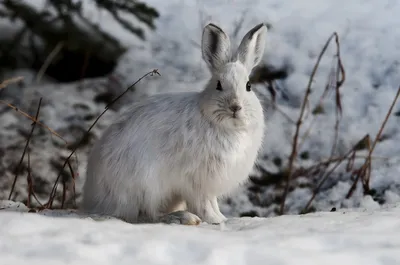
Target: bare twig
(64,194)
(336,79)
(31,191)
(378,136)
(48,60)
(73,183)
(33,120)
(339,81)
(151,73)
(366,168)
(29,181)
(54,189)
(360,172)
(299,123)
(25,149)
(350,156)
(10,81)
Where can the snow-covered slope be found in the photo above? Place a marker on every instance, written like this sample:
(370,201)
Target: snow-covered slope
(348,237)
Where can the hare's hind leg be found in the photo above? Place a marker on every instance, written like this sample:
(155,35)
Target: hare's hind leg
(176,203)
(180,217)
(176,213)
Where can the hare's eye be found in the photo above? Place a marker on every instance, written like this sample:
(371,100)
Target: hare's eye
(248,86)
(219,87)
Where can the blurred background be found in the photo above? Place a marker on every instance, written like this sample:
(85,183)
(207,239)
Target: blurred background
(65,60)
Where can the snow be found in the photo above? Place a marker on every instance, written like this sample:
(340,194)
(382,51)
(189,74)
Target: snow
(354,236)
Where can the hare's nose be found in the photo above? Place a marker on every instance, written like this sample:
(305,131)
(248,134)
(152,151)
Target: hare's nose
(235,107)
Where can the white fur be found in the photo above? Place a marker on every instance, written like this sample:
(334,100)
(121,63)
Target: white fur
(184,148)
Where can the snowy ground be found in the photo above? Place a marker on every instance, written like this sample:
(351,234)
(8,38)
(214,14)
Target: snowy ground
(369,33)
(345,237)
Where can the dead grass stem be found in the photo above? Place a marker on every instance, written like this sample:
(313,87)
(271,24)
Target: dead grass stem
(339,82)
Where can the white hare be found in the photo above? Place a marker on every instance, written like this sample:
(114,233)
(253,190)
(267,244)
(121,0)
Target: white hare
(170,156)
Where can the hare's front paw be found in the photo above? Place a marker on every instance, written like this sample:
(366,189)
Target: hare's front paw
(214,218)
(181,217)
(208,210)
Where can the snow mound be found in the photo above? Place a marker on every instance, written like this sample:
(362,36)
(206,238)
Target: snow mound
(369,33)
(350,237)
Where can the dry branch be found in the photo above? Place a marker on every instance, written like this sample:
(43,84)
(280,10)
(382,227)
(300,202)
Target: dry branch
(350,156)
(54,189)
(365,171)
(300,119)
(31,191)
(25,149)
(49,60)
(10,81)
(33,119)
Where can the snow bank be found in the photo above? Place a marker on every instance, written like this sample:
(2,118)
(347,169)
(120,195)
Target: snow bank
(347,237)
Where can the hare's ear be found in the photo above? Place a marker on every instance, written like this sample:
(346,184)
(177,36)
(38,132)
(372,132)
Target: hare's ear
(215,46)
(251,49)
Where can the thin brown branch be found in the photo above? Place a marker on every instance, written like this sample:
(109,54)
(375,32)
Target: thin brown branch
(25,149)
(73,183)
(29,181)
(319,105)
(366,169)
(33,120)
(48,60)
(64,195)
(378,136)
(54,189)
(339,81)
(359,174)
(151,73)
(350,156)
(31,191)
(10,81)
(299,123)
(351,160)
(335,80)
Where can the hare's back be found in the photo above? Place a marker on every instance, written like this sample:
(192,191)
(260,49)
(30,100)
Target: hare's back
(154,124)
(159,110)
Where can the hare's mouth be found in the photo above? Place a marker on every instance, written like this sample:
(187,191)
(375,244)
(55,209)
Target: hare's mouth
(236,115)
